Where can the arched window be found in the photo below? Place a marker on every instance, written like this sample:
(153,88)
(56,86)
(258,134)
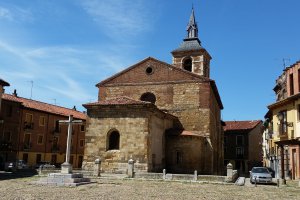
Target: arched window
(187,64)
(148,96)
(113,142)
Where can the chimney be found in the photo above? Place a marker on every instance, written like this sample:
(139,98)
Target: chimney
(15,93)
(74,108)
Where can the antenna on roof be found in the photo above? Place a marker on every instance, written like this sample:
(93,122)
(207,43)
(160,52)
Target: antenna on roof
(31,88)
(284,62)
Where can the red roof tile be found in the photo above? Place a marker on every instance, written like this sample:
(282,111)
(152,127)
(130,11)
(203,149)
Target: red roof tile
(180,132)
(240,125)
(45,107)
(118,101)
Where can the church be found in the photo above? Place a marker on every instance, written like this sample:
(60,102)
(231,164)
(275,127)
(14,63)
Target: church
(163,116)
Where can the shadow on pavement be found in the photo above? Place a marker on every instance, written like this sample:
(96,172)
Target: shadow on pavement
(22,173)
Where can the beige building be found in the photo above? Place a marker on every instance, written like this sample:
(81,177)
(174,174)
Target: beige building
(160,115)
(283,125)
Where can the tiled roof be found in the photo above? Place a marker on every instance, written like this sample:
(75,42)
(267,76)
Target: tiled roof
(45,107)
(189,44)
(123,100)
(180,132)
(240,125)
(3,82)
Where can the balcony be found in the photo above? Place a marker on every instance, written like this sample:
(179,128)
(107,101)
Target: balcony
(27,146)
(55,148)
(28,126)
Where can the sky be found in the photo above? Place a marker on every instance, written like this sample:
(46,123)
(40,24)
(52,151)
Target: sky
(57,51)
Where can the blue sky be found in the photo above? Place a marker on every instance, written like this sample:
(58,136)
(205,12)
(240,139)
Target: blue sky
(65,47)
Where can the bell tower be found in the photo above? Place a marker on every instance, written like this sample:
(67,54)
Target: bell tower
(190,55)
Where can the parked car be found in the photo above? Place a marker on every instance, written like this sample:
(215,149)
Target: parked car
(44,165)
(10,166)
(21,164)
(260,175)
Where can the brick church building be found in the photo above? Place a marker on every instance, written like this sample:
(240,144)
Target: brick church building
(163,116)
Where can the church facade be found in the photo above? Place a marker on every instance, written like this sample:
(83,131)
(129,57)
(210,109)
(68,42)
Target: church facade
(163,116)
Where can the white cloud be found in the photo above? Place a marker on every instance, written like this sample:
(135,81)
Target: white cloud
(5,14)
(120,18)
(14,13)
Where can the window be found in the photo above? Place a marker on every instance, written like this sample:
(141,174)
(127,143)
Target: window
(82,128)
(239,140)
(81,143)
(239,152)
(282,117)
(40,139)
(149,97)
(42,121)
(113,140)
(149,70)
(291,84)
(27,143)
(187,64)
(29,118)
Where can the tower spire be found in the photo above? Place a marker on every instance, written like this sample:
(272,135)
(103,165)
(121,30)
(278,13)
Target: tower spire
(192,27)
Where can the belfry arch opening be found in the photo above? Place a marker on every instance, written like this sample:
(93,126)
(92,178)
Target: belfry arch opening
(187,64)
(148,96)
(113,140)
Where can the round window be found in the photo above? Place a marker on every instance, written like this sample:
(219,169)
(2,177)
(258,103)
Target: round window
(149,70)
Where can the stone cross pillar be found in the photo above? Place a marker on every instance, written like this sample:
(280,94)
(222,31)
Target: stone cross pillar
(229,172)
(130,168)
(66,167)
(195,176)
(97,167)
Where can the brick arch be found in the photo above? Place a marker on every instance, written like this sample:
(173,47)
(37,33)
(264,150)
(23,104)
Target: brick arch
(113,140)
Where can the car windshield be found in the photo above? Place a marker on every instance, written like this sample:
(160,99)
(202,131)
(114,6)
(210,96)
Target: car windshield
(260,170)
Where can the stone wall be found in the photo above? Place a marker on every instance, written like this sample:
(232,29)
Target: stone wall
(141,132)
(189,101)
(185,154)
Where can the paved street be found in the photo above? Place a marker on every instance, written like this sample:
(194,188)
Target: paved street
(23,188)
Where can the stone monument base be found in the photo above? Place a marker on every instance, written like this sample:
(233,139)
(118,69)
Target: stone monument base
(61,179)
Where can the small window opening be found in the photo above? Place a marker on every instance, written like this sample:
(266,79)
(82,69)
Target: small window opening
(187,64)
(114,140)
(148,96)
(149,70)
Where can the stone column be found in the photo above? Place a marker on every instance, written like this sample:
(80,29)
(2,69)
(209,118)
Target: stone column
(97,167)
(229,172)
(164,174)
(195,178)
(130,168)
